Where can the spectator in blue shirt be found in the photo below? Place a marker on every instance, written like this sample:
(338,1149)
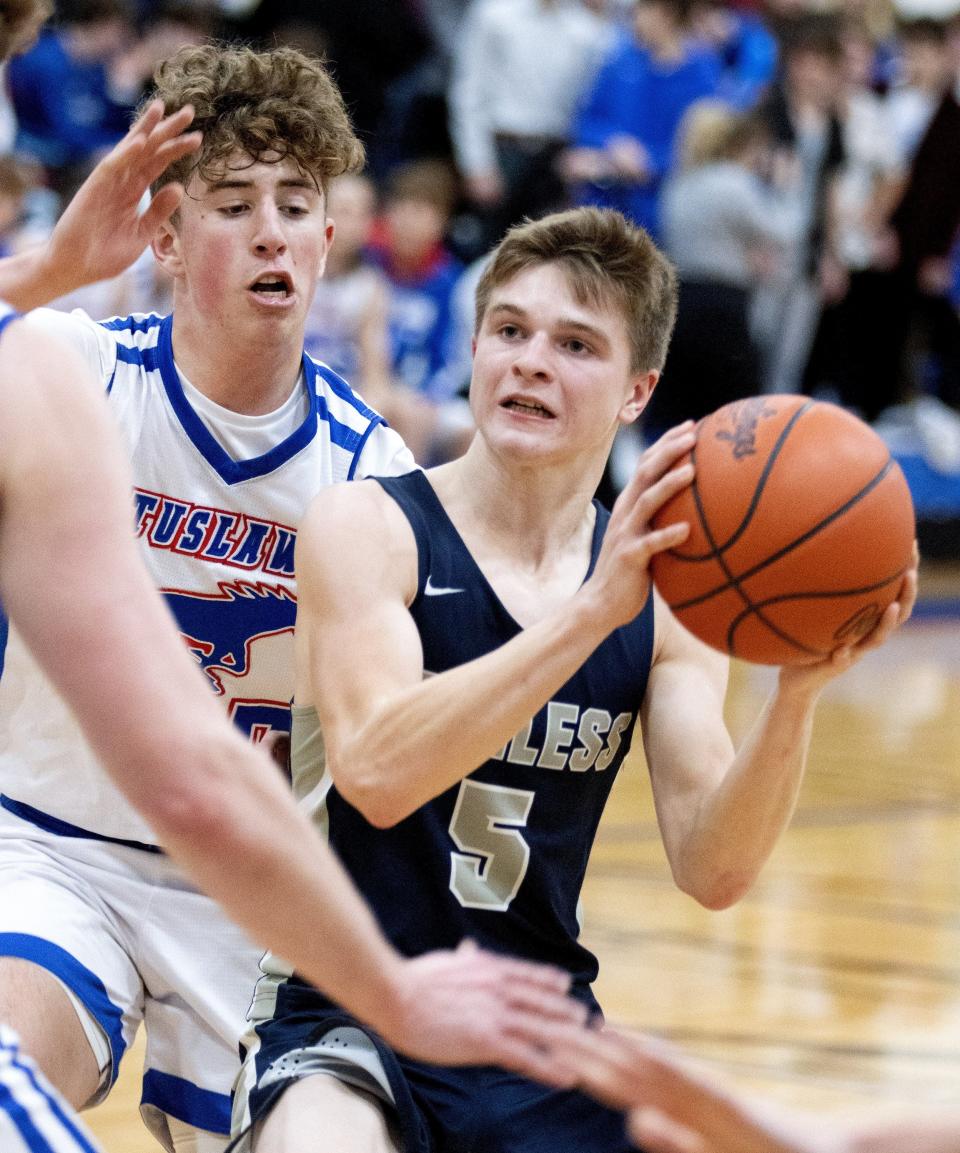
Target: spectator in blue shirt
(67,114)
(625,132)
(746,46)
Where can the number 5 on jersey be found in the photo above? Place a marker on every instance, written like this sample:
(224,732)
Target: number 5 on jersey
(489,870)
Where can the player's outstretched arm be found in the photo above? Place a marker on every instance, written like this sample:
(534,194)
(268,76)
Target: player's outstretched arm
(676,1109)
(73,582)
(105,227)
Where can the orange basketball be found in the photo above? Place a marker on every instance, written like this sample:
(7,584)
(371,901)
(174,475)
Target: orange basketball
(801,529)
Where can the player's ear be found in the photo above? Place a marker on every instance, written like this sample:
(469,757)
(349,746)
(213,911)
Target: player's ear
(166,248)
(642,385)
(329,231)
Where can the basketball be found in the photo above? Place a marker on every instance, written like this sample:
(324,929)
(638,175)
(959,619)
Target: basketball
(801,529)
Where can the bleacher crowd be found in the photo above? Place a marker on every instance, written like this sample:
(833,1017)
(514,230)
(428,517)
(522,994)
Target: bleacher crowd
(800,164)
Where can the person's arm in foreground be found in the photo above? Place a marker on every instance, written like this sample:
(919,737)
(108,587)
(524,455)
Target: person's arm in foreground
(105,227)
(72,581)
(675,1109)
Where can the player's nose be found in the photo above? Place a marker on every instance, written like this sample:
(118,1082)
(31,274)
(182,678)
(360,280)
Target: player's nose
(533,356)
(269,237)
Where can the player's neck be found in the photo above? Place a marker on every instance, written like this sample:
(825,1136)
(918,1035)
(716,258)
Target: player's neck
(252,382)
(531,511)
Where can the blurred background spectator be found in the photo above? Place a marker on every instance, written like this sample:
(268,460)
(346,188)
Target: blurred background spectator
(624,135)
(520,69)
(74,92)
(802,112)
(727,230)
(846,364)
(408,246)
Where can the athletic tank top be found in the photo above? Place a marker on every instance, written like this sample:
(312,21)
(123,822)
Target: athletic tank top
(501,856)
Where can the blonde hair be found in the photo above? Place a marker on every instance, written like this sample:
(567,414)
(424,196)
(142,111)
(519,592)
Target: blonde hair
(711,130)
(607,260)
(276,104)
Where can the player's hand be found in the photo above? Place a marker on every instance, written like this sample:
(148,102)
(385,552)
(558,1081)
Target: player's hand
(621,577)
(472,1007)
(815,676)
(104,228)
(673,1109)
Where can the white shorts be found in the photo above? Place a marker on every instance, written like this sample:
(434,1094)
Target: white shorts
(133,940)
(34,1118)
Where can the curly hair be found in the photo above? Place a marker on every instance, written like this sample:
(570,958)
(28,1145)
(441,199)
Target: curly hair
(607,261)
(20,21)
(272,105)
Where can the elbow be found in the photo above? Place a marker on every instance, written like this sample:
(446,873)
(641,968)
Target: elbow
(716,891)
(188,813)
(188,806)
(370,794)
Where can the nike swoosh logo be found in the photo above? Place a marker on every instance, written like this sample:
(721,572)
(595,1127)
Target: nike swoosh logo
(431,590)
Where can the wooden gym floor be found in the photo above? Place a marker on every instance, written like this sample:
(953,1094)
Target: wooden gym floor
(836,981)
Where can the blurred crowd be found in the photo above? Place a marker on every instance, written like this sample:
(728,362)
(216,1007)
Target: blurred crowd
(800,163)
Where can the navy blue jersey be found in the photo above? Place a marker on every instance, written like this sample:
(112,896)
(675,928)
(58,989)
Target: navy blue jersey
(501,856)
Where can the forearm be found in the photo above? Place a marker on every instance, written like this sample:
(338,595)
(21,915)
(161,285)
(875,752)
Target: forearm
(236,829)
(424,739)
(738,824)
(32,278)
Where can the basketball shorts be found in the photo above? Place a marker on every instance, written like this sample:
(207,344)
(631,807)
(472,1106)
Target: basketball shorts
(132,940)
(34,1118)
(432,1109)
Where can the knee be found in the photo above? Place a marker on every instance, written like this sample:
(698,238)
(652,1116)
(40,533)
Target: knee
(323,1115)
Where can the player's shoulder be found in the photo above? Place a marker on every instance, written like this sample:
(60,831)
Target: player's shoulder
(356,530)
(337,396)
(350,509)
(375,448)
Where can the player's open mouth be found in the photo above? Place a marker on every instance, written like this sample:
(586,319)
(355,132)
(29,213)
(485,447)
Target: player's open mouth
(273,286)
(530,407)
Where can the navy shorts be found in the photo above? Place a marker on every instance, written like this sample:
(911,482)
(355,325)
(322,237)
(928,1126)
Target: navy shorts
(434,1109)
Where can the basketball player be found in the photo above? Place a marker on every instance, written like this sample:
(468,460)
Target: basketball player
(677,1110)
(231,430)
(475,645)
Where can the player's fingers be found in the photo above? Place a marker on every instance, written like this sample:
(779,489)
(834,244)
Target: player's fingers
(655,1132)
(531,1058)
(161,208)
(664,489)
(661,539)
(907,596)
(170,126)
(526,973)
(658,458)
(607,1067)
(887,623)
(159,159)
(547,1004)
(147,120)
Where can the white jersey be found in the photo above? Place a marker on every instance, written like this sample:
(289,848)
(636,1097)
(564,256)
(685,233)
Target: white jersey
(218,534)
